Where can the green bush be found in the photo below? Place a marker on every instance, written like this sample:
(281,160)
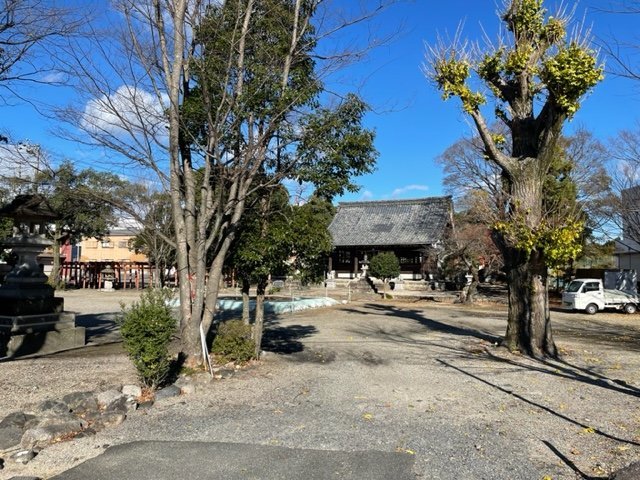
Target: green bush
(384,265)
(233,342)
(147,327)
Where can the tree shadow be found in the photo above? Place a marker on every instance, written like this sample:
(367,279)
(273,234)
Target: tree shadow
(430,324)
(570,463)
(285,339)
(100,327)
(563,369)
(602,333)
(559,367)
(538,405)
(31,345)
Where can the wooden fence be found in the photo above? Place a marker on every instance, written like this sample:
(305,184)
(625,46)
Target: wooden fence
(91,274)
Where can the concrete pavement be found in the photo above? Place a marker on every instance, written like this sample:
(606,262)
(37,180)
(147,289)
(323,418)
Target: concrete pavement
(155,460)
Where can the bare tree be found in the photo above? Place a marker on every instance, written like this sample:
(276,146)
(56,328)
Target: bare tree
(31,31)
(210,96)
(623,203)
(624,53)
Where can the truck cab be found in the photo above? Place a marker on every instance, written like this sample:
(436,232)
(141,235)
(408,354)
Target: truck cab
(590,296)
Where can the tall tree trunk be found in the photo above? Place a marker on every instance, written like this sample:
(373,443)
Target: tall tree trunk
(529,323)
(529,327)
(246,285)
(472,288)
(54,276)
(258,324)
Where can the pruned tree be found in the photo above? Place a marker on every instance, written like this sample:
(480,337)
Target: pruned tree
(385,266)
(538,76)
(220,100)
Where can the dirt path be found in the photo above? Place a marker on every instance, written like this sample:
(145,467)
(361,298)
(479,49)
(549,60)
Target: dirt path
(420,378)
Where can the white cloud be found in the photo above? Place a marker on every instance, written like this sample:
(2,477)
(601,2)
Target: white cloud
(127,111)
(54,77)
(366,195)
(409,188)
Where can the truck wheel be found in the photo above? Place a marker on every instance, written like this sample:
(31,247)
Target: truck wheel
(630,308)
(591,308)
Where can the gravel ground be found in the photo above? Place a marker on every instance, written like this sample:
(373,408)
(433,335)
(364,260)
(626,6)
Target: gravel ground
(416,377)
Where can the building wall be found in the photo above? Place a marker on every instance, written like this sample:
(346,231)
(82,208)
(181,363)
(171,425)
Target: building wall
(112,248)
(627,255)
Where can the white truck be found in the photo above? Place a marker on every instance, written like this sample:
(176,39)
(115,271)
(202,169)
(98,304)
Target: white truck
(589,295)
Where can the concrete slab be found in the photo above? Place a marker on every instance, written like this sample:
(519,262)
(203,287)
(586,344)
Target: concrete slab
(237,461)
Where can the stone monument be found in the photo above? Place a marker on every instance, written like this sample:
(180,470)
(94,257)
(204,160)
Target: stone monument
(32,319)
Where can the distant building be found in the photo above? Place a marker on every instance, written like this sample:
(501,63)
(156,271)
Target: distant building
(114,247)
(412,229)
(627,250)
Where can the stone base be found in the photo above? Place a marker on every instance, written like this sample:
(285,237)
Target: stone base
(31,334)
(22,324)
(14,306)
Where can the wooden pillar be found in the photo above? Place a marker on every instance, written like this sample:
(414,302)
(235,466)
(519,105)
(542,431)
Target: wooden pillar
(355,267)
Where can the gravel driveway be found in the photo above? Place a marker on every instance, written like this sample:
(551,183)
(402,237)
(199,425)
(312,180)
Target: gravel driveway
(414,377)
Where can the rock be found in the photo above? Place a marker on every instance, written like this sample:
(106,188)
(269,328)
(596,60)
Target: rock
(186,385)
(24,456)
(132,390)
(51,430)
(630,472)
(87,432)
(167,392)
(124,404)
(18,419)
(101,420)
(55,420)
(110,397)
(188,389)
(12,428)
(25,478)
(1,463)
(10,436)
(80,402)
(52,407)
(109,419)
(145,405)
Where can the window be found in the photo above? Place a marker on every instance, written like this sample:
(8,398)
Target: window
(106,243)
(591,287)
(344,256)
(91,244)
(123,244)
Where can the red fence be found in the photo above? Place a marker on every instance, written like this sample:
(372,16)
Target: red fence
(90,274)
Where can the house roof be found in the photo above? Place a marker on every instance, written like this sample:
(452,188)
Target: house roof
(421,221)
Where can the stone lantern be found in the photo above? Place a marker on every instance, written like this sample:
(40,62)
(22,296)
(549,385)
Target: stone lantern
(31,318)
(30,214)
(108,277)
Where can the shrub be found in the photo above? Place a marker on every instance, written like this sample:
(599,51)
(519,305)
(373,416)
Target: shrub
(233,342)
(384,265)
(147,327)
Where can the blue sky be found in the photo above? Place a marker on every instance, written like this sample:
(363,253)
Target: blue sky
(413,124)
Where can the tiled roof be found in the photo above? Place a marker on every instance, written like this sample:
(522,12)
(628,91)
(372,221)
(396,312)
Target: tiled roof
(421,221)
